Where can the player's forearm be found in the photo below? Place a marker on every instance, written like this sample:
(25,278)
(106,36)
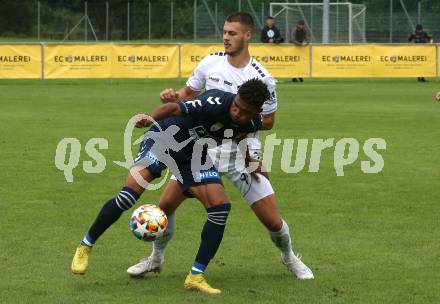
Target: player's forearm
(166,110)
(186,93)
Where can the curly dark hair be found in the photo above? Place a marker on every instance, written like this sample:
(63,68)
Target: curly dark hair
(254,92)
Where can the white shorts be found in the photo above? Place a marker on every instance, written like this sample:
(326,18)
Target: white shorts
(230,162)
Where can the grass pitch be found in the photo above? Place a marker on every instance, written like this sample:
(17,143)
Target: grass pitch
(369,238)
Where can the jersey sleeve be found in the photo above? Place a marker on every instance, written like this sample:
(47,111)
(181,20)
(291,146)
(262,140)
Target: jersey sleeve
(270,106)
(197,80)
(212,103)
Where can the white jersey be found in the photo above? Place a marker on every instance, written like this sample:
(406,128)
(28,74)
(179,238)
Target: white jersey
(215,72)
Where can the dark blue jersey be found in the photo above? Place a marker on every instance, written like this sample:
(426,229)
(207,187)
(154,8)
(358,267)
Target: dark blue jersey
(210,116)
(206,116)
(170,143)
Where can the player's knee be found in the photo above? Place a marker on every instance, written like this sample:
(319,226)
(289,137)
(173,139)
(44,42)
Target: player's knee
(126,198)
(219,214)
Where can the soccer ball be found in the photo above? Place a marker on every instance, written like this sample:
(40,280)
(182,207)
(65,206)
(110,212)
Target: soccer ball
(148,222)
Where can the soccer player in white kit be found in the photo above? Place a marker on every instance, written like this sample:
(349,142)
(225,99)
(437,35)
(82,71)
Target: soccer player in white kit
(227,71)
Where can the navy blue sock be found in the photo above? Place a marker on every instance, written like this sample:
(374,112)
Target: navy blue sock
(110,213)
(211,236)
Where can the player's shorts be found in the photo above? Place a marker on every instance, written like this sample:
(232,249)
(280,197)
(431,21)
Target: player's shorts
(229,161)
(178,164)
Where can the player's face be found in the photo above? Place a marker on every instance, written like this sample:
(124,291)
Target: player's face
(235,38)
(241,112)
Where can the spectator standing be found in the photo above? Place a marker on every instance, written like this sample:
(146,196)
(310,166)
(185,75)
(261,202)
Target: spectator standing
(270,33)
(420,36)
(298,36)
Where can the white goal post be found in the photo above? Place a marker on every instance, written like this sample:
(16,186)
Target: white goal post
(347,20)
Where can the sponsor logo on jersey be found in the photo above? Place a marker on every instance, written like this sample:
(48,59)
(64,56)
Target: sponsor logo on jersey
(208,174)
(214,79)
(197,132)
(227,83)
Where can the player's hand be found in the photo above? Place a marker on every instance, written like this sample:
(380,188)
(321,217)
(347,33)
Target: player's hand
(260,170)
(143,120)
(168,95)
(437,96)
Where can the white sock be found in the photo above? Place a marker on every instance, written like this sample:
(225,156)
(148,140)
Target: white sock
(282,240)
(161,243)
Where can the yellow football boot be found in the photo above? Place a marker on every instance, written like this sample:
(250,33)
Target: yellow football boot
(197,282)
(80,261)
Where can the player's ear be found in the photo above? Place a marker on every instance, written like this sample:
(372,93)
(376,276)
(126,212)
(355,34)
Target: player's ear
(248,35)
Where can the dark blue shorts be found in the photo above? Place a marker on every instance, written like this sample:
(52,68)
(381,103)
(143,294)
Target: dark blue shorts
(156,165)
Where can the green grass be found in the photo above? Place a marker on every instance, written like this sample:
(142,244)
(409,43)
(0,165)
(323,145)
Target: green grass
(368,238)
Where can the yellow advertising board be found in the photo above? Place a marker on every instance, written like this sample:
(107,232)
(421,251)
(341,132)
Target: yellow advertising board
(283,60)
(20,61)
(342,61)
(140,61)
(404,60)
(192,54)
(78,61)
(164,61)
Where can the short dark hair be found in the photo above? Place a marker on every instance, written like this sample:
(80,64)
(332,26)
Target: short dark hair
(301,22)
(269,17)
(254,92)
(243,18)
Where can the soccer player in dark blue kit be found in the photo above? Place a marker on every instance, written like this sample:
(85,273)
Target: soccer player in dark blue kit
(212,115)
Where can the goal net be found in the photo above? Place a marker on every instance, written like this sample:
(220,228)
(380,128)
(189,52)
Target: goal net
(346,20)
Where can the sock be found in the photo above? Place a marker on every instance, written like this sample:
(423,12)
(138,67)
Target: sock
(160,244)
(282,240)
(110,213)
(211,236)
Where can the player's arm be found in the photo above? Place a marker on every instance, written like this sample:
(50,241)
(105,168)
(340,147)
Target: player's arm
(257,166)
(194,85)
(185,93)
(166,110)
(267,121)
(270,106)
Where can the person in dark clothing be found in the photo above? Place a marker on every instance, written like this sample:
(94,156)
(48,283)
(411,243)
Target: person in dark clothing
(298,36)
(270,33)
(420,36)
